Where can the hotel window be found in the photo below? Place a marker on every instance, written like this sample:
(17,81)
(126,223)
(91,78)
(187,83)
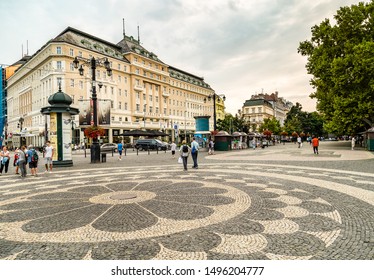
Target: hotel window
(72,82)
(156,110)
(112,90)
(125,92)
(119,92)
(125,105)
(105,89)
(59,81)
(113,119)
(119,78)
(138,95)
(71,52)
(125,68)
(165,111)
(253,110)
(71,67)
(144,96)
(120,119)
(137,107)
(81,84)
(111,104)
(119,105)
(125,80)
(150,98)
(119,66)
(157,99)
(259,109)
(135,59)
(80,54)
(59,65)
(150,109)
(137,71)
(58,50)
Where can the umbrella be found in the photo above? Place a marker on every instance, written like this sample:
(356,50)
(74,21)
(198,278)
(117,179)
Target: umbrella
(136,132)
(158,133)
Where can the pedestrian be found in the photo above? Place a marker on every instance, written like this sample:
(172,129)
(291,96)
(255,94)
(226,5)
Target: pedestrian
(48,156)
(173,148)
(184,152)
(194,152)
(315,143)
(4,160)
(299,141)
(254,143)
(353,142)
(16,158)
(211,147)
(32,160)
(22,160)
(120,148)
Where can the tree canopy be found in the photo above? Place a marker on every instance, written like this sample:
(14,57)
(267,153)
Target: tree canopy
(341,60)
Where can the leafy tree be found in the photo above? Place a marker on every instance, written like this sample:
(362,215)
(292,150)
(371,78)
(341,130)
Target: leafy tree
(341,60)
(271,124)
(232,124)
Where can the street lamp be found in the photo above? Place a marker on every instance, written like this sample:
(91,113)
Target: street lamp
(214,97)
(93,62)
(20,126)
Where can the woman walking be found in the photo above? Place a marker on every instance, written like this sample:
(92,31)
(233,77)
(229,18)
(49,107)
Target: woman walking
(184,151)
(22,161)
(4,160)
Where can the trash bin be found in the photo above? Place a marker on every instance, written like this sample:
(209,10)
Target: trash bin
(103,157)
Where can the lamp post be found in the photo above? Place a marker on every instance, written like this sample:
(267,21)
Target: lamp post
(20,126)
(214,97)
(93,62)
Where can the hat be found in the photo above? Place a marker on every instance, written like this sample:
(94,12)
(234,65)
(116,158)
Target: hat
(30,146)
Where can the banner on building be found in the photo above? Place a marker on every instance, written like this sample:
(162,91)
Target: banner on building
(104,112)
(85,112)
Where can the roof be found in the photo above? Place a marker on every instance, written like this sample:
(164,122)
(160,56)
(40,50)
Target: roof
(187,77)
(130,44)
(256,102)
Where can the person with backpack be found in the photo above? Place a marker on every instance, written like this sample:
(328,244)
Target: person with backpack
(184,151)
(32,159)
(194,152)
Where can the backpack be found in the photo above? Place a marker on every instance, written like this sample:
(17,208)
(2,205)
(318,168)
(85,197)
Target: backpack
(34,156)
(185,149)
(193,150)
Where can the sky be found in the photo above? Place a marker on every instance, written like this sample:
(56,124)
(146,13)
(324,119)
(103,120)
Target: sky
(240,47)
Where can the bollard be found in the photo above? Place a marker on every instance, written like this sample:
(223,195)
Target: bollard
(125,151)
(148,150)
(112,152)
(137,151)
(157,149)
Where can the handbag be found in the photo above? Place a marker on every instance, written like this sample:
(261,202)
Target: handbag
(180,160)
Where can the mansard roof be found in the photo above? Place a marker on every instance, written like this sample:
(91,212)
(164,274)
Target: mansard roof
(130,44)
(187,77)
(87,41)
(257,102)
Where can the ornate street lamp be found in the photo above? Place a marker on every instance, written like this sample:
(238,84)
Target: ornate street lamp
(93,62)
(20,126)
(214,97)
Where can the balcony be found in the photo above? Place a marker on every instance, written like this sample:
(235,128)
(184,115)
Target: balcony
(165,94)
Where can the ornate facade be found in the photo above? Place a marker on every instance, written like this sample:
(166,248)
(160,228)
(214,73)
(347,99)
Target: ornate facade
(143,91)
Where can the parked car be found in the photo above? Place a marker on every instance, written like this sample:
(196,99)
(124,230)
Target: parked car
(167,145)
(108,147)
(152,144)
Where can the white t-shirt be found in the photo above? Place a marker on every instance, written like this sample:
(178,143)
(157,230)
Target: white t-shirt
(173,146)
(48,151)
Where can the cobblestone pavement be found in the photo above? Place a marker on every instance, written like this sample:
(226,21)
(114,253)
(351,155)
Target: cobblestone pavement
(238,205)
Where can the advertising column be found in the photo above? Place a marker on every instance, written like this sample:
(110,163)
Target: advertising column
(53,135)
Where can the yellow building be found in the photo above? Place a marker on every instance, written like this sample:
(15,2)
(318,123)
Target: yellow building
(220,108)
(143,91)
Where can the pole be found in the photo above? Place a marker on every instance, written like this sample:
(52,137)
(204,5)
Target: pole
(214,113)
(95,147)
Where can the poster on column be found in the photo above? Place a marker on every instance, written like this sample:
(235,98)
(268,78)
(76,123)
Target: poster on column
(53,135)
(66,136)
(104,111)
(85,111)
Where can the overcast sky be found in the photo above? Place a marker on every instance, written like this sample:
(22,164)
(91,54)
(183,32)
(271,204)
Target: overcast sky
(240,47)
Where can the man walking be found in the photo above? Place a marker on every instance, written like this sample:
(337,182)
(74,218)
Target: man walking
(120,148)
(315,143)
(48,155)
(173,148)
(32,159)
(299,141)
(194,152)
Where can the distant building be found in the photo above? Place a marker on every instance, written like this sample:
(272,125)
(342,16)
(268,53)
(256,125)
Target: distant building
(264,106)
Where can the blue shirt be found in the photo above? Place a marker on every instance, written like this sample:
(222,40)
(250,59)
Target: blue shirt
(120,147)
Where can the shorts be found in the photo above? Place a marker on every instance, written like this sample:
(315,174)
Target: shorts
(120,152)
(48,160)
(173,152)
(33,164)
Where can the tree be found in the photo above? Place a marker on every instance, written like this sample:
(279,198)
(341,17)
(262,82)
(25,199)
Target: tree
(232,124)
(341,60)
(271,124)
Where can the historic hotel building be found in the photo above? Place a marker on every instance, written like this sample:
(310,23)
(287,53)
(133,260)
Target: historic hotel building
(143,92)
